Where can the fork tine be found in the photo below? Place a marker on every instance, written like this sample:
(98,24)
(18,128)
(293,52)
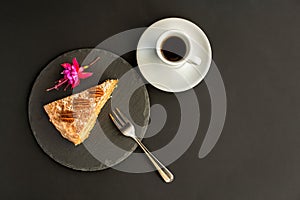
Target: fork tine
(118,117)
(122,116)
(118,125)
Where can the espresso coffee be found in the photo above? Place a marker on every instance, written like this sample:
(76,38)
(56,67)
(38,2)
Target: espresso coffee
(173,48)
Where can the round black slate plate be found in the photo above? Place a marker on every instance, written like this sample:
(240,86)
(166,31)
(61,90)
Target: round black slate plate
(106,146)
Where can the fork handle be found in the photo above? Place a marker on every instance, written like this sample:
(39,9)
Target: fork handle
(162,170)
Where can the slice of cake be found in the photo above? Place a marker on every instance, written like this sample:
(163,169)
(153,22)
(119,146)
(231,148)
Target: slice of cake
(75,116)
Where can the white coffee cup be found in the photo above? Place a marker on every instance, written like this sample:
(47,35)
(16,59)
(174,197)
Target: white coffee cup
(189,56)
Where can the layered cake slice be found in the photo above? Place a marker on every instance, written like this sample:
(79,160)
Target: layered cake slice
(75,116)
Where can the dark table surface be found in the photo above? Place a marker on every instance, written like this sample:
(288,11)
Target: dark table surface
(256,48)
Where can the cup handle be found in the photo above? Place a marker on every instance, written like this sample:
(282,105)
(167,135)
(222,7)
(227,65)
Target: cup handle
(194,60)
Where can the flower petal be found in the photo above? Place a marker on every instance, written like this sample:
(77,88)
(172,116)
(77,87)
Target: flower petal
(84,75)
(66,71)
(70,77)
(65,65)
(76,83)
(81,69)
(75,63)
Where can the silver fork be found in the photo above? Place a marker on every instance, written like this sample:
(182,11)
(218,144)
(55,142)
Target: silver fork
(127,128)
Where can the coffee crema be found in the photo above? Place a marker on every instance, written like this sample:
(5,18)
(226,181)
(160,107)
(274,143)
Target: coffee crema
(173,49)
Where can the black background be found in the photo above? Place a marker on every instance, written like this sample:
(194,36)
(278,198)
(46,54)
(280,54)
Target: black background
(255,45)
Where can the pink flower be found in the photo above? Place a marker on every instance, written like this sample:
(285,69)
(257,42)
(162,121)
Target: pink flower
(72,74)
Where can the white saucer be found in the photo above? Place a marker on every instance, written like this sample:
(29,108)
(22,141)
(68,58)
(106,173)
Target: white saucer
(159,74)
